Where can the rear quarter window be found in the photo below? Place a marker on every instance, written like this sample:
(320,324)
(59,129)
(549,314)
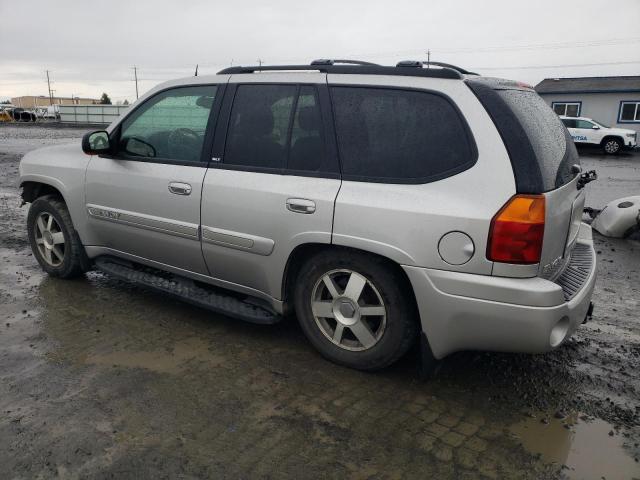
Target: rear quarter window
(547,135)
(399,136)
(540,148)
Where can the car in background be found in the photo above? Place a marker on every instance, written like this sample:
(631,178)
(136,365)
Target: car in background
(585,130)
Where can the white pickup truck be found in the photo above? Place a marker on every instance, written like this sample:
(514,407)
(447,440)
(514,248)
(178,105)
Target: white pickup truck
(585,130)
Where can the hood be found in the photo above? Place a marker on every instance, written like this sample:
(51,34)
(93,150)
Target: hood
(53,161)
(620,131)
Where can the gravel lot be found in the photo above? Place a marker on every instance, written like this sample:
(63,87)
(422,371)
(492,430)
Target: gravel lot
(102,380)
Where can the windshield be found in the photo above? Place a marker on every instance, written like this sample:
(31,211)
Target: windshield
(600,124)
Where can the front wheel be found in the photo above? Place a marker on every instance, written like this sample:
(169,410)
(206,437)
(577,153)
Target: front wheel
(611,146)
(355,309)
(54,241)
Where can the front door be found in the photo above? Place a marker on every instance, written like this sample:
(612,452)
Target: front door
(275,183)
(144,200)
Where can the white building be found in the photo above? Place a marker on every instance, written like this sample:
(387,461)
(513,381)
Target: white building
(612,101)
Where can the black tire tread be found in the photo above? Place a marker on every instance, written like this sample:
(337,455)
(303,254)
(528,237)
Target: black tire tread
(77,263)
(391,276)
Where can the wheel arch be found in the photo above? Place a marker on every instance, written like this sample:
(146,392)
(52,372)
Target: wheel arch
(612,137)
(302,252)
(34,189)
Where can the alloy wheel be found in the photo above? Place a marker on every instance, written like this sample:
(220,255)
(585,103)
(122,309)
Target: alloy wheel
(49,239)
(611,146)
(348,310)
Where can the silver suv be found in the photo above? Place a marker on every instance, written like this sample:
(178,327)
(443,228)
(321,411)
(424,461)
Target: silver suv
(383,205)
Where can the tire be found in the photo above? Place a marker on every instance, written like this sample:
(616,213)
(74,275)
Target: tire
(367,339)
(611,146)
(59,252)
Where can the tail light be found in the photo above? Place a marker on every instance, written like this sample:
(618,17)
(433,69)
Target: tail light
(517,231)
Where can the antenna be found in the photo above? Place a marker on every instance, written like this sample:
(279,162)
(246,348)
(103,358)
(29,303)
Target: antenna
(196,70)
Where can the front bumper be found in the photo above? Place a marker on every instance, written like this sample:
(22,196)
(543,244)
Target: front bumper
(461,311)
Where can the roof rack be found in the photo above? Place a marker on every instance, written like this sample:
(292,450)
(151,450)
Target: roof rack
(326,61)
(353,67)
(419,64)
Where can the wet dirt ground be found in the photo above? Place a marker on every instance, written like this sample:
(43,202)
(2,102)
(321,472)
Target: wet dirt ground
(102,380)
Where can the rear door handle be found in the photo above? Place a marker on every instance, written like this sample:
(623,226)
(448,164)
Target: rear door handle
(180,188)
(301,205)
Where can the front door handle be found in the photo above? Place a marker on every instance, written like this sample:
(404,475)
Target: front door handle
(301,205)
(180,188)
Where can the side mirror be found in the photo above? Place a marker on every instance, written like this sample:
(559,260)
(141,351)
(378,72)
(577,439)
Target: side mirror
(596,127)
(94,143)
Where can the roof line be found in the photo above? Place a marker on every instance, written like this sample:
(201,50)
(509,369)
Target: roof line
(564,92)
(589,78)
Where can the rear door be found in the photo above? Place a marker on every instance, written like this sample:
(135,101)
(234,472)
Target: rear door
(144,200)
(273,182)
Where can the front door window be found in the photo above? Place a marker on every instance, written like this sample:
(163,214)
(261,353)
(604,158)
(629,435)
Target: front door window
(171,125)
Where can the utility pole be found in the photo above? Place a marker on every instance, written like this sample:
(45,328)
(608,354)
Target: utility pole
(260,62)
(135,75)
(49,88)
(428,57)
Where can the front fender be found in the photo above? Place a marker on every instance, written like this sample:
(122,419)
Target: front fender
(62,167)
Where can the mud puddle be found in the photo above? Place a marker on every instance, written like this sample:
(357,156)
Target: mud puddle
(189,353)
(589,448)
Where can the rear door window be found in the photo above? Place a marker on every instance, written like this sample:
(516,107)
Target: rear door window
(308,144)
(259,126)
(399,136)
(281,128)
(584,124)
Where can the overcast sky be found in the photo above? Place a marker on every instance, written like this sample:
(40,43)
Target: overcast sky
(90,47)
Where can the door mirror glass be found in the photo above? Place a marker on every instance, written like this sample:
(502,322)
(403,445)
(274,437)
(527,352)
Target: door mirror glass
(136,146)
(97,142)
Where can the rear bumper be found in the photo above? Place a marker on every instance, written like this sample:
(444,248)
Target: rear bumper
(461,311)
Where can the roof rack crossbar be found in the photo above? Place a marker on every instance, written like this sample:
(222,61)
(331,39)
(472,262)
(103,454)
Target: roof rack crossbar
(420,63)
(326,61)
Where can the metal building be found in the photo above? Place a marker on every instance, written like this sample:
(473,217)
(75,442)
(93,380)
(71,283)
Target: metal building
(612,101)
(95,114)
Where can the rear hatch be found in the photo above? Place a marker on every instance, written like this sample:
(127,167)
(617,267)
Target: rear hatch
(543,156)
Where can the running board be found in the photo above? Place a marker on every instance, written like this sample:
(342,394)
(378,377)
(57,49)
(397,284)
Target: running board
(211,298)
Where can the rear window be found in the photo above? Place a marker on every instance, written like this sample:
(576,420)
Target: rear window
(399,136)
(539,145)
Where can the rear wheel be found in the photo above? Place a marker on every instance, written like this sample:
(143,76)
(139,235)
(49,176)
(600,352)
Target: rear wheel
(611,146)
(355,310)
(54,241)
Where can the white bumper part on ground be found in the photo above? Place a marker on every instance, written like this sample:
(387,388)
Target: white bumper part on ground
(461,311)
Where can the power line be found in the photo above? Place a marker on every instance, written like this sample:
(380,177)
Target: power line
(534,67)
(579,44)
